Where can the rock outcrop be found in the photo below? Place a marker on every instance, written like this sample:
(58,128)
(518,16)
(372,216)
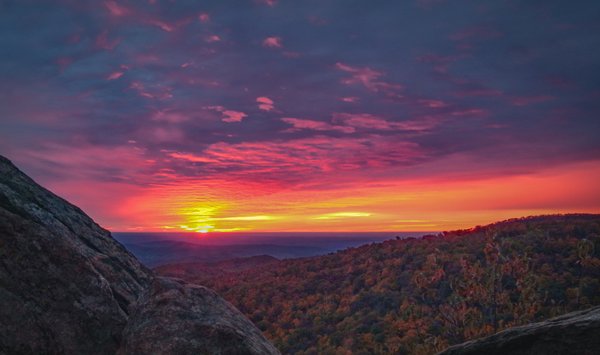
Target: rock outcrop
(67,287)
(572,333)
(181,318)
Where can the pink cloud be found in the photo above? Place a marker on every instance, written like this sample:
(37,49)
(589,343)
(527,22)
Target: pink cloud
(169,116)
(192,158)
(349,99)
(204,17)
(368,78)
(115,75)
(272,42)
(362,120)
(233,116)
(265,104)
(305,156)
(470,112)
(299,124)
(212,39)
(166,134)
(352,122)
(433,103)
(368,121)
(116,9)
(103,42)
(155,92)
(228,116)
(167,27)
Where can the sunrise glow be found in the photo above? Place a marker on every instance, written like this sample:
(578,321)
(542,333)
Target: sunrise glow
(284,116)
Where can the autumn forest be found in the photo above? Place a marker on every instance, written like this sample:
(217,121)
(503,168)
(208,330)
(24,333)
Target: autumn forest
(418,295)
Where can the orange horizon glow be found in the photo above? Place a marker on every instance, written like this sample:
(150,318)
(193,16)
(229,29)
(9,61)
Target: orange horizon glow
(425,204)
(187,117)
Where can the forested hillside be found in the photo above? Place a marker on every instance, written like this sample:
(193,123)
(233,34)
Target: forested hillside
(418,296)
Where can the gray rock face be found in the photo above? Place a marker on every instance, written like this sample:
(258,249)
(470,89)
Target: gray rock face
(66,286)
(572,333)
(175,317)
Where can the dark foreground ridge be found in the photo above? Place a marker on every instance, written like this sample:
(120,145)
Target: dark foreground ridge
(66,286)
(572,333)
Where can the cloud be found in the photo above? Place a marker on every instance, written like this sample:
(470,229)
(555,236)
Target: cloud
(204,17)
(376,102)
(433,103)
(338,215)
(191,158)
(170,116)
(115,75)
(233,116)
(292,159)
(354,122)
(116,9)
(167,27)
(272,42)
(368,78)
(103,42)
(212,38)
(229,116)
(366,121)
(265,104)
(299,124)
(156,91)
(362,120)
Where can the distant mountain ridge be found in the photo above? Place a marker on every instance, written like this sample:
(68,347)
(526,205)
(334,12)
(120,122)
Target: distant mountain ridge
(224,268)
(67,287)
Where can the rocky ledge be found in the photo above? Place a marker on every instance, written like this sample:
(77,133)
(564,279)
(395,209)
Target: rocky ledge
(572,333)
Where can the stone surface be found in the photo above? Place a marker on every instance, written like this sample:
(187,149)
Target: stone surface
(572,333)
(66,286)
(175,317)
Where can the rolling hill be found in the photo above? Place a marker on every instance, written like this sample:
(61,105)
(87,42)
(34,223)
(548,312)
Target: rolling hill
(418,296)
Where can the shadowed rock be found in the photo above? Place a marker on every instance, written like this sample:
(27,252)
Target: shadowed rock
(66,286)
(572,333)
(175,317)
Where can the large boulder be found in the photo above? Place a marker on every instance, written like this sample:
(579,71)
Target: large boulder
(65,284)
(67,287)
(572,333)
(176,317)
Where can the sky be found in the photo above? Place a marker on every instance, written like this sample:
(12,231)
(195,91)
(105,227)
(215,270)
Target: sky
(304,115)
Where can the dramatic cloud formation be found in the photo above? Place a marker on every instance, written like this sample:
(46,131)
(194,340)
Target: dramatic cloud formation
(298,115)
